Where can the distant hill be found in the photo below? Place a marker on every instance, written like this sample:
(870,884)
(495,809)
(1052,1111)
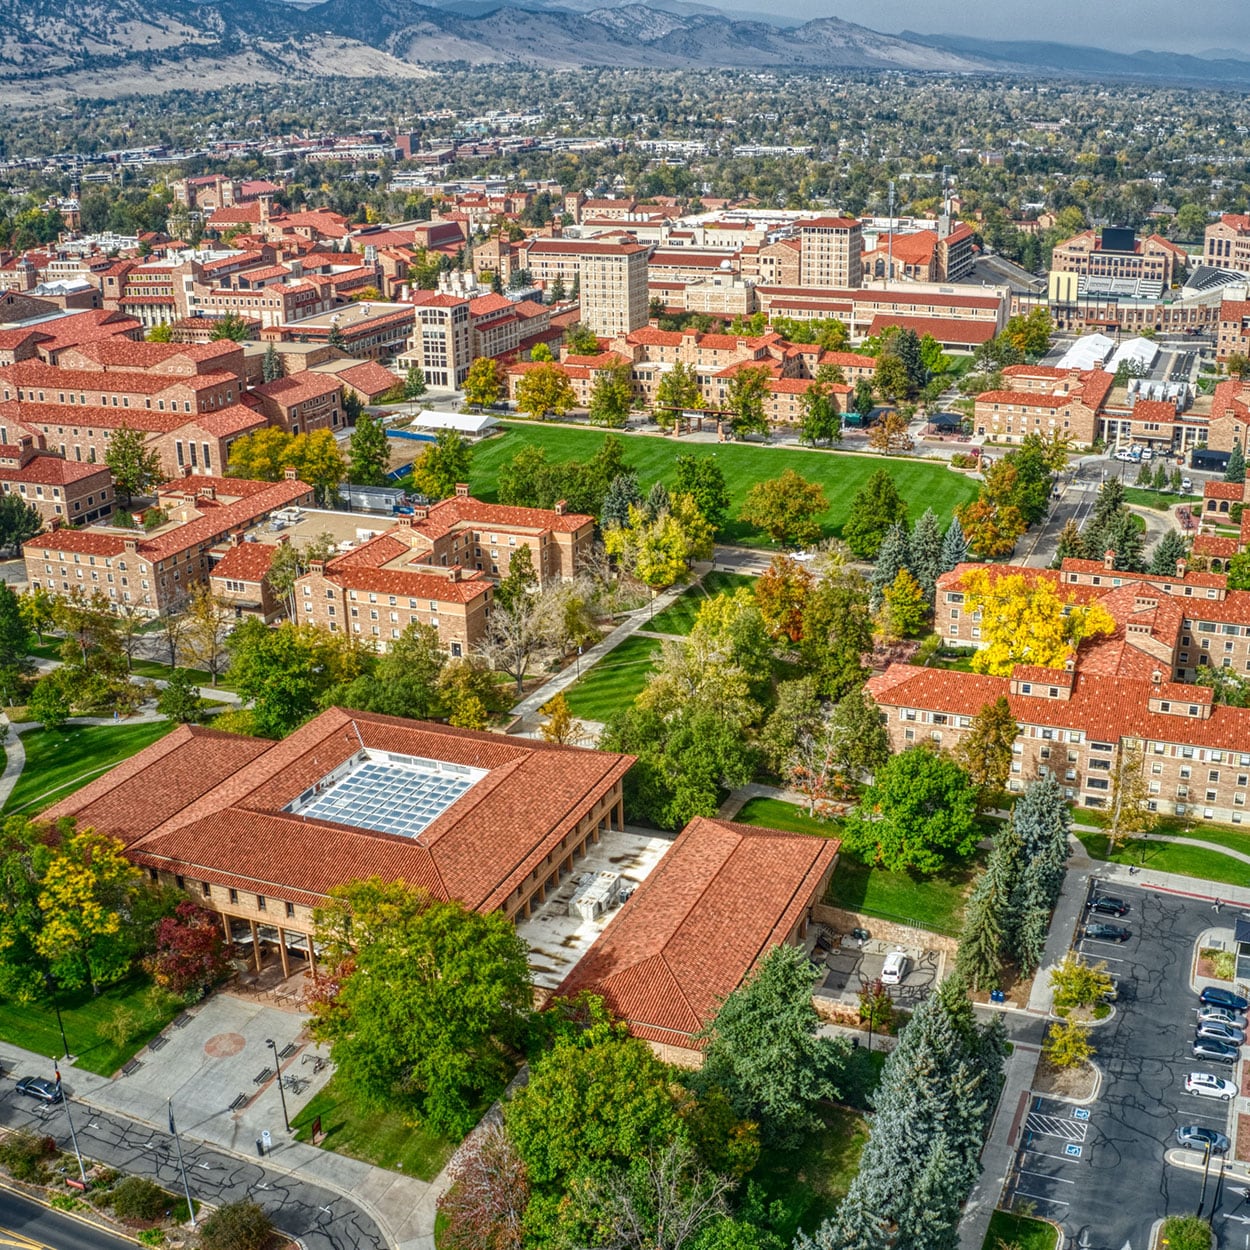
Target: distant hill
(117,47)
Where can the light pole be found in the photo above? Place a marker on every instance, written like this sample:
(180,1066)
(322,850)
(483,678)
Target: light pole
(82,1171)
(186,1186)
(277,1066)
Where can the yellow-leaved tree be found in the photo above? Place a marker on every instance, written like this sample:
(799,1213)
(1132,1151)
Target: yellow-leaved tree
(1024,620)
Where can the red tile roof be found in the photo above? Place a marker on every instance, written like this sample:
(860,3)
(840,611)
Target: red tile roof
(965,330)
(306,385)
(717,902)
(33,373)
(248,562)
(418,583)
(1224,490)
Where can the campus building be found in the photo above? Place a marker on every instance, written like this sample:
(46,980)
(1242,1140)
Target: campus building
(831,251)
(260,832)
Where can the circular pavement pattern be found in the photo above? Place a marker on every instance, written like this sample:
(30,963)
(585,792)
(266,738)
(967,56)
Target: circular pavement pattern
(223,1045)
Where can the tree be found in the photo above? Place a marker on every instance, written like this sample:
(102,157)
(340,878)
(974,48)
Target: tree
(484,1207)
(484,382)
(38,610)
(612,396)
(1078,984)
(541,353)
(822,422)
(180,700)
(875,508)
(863,400)
(561,727)
(19,522)
(206,629)
(48,703)
(271,366)
(677,391)
(920,806)
(890,434)
(744,398)
(1235,470)
(893,557)
(521,579)
(133,466)
(1025,621)
(263,456)
(837,635)
(1040,821)
(1067,1044)
(891,380)
(924,554)
(905,608)
(423,1000)
(1167,551)
(798,712)
(15,643)
(241,1225)
(232,327)
(991,531)
(526,632)
(985,751)
(320,463)
(191,951)
(859,739)
(780,593)
(658,551)
(702,478)
(545,389)
(581,340)
(983,938)
(163,333)
(621,495)
(786,508)
(414,383)
(1130,814)
(443,465)
(368,453)
(954,546)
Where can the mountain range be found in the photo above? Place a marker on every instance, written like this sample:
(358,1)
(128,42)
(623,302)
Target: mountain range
(117,47)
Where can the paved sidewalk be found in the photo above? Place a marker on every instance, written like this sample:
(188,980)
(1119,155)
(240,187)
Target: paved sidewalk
(1068,912)
(527,708)
(14,760)
(738,799)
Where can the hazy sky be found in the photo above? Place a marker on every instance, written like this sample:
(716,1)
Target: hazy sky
(1198,26)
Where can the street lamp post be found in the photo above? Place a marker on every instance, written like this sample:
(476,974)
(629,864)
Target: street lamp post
(281,1091)
(73,1136)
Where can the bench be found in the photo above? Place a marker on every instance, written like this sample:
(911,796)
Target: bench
(183,1020)
(133,1066)
(262,1076)
(288,1050)
(158,1041)
(239,1102)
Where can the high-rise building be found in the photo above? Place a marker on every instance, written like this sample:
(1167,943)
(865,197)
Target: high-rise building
(832,253)
(614,287)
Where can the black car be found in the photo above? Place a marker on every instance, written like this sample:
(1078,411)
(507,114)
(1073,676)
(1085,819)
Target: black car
(1108,905)
(40,1087)
(1223,998)
(1217,1052)
(1108,932)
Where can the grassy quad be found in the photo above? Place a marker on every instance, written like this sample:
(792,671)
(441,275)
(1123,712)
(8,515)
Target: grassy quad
(387,1139)
(679,617)
(1164,856)
(922,483)
(88,1024)
(614,682)
(935,903)
(1007,1229)
(60,761)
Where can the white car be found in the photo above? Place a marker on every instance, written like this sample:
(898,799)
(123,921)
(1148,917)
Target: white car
(1205,1085)
(1186,484)
(895,967)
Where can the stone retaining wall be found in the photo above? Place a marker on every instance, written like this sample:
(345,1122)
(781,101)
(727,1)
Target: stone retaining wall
(902,935)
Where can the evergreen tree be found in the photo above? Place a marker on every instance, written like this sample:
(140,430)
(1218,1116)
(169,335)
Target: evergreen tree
(1170,548)
(876,507)
(1041,820)
(271,366)
(893,556)
(983,940)
(1071,544)
(657,500)
(1124,535)
(1161,476)
(368,453)
(954,546)
(925,556)
(622,491)
(1236,468)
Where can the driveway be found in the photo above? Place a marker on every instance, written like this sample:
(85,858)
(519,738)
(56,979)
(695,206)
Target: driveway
(1099,1170)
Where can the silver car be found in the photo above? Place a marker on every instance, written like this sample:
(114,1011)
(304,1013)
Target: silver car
(1208,1014)
(1211,1031)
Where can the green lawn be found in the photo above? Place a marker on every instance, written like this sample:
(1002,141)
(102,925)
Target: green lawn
(154,670)
(921,483)
(678,617)
(1160,499)
(59,761)
(810,1180)
(384,1138)
(1019,1230)
(1177,827)
(611,685)
(33,1027)
(1190,861)
(934,903)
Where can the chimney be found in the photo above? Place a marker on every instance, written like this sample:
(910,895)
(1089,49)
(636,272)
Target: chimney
(131,545)
(1157,677)
(419,513)
(456,573)
(1108,559)
(1182,567)
(462,490)
(405,522)
(317,566)
(289,473)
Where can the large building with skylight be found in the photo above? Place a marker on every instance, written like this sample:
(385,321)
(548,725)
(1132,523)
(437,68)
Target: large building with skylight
(261,831)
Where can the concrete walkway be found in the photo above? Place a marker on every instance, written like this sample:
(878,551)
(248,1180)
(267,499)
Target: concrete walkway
(754,790)
(14,760)
(527,708)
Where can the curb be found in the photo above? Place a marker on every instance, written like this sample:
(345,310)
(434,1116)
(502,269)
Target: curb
(1078,1102)
(38,1200)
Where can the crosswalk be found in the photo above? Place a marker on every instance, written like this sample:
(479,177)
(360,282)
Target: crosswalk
(1055,1126)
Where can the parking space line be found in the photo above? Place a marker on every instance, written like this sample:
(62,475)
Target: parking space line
(1042,1154)
(1062,1180)
(1020,1193)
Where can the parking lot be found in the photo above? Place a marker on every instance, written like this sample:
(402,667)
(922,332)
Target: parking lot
(1100,1170)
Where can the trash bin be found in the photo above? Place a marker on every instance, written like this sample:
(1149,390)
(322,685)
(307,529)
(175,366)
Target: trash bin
(260,1147)
(997,996)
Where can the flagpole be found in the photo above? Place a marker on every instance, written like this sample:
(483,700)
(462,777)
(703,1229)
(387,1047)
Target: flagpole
(82,1171)
(186,1187)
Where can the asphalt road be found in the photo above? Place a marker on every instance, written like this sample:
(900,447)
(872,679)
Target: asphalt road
(25,1225)
(319,1218)
(1100,1170)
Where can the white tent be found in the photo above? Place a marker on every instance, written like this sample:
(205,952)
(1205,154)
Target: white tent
(1143,351)
(1087,353)
(462,422)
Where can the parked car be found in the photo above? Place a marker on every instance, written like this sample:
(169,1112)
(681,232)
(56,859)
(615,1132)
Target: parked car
(40,1087)
(1222,1015)
(1198,1138)
(1147,453)
(895,967)
(1108,932)
(1218,1032)
(1217,1052)
(1186,484)
(1215,997)
(1208,1085)
(1108,905)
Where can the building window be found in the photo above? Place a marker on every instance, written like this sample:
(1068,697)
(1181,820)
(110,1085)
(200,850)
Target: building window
(290,911)
(206,889)
(260,902)
(234,895)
